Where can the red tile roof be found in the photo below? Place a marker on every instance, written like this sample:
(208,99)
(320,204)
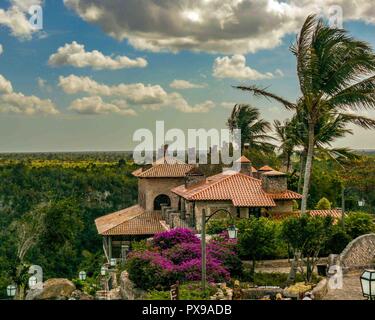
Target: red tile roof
(130,221)
(287,195)
(164,171)
(334,213)
(243,159)
(242,190)
(266,168)
(274,173)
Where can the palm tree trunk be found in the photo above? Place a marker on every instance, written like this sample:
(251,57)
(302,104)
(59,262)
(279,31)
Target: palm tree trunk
(309,161)
(301,169)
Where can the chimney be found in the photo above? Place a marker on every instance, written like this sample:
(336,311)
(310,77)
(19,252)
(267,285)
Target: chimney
(244,166)
(194,177)
(274,182)
(165,152)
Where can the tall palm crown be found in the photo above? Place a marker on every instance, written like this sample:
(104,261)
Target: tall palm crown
(253,128)
(335,73)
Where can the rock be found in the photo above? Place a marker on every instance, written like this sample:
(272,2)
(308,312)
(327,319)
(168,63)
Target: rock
(56,289)
(79,295)
(128,290)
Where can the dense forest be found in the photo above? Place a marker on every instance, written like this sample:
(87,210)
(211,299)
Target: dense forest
(48,206)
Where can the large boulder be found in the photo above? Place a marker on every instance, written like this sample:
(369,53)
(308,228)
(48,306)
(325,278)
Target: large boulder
(56,289)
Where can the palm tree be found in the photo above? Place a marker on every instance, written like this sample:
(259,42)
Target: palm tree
(335,73)
(253,128)
(285,133)
(329,127)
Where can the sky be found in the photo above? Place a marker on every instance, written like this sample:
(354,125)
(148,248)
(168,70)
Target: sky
(98,70)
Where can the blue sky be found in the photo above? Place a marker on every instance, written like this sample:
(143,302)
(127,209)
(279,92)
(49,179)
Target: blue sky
(212,59)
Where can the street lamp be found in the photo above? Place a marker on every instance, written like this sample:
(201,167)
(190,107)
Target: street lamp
(82,275)
(32,281)
(361,203)
(113,262)
(232,232)
(11,290)
(368,284)
(103,270)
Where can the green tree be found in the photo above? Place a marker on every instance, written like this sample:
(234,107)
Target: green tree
(335,75)
(323,204)
(306,236)
(257,239)
(359,223)
(254,130)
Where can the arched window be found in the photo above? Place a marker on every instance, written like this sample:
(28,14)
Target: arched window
(161,199)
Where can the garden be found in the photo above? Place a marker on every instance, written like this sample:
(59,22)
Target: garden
(175,256)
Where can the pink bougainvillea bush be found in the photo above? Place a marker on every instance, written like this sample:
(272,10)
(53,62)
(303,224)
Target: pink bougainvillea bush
(169,239)
(176,255)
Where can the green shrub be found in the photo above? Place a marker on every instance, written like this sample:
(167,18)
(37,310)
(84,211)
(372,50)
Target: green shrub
(337,241)
(187,291)
(217,226)
(323,204)
(359,223)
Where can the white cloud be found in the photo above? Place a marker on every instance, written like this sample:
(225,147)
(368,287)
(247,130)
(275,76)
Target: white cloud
(74,54)
(96,105)
(16,18)
(235,67)
(18,103)
(5,85)
(152,97)
(221,26)
(228,105)
(183,84)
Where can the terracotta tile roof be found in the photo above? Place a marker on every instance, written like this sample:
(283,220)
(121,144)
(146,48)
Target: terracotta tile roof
(335,213)
(242,190)
(266,168)
(164,171)
(287,195)
(253,169)
(130,221)
(274,173)
(243,159)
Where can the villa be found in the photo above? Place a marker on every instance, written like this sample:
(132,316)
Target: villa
(173,194)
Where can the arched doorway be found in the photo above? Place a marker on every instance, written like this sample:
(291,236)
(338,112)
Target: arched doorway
(161,199)
(220,214)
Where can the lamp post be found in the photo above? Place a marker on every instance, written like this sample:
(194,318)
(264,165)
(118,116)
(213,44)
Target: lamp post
(103,270)
(368,284)
(203,249)
(113,262)
(82,275)
(361,203)
(11,291)
(232,232)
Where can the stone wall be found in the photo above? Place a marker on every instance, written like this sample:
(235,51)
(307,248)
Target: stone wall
(282,206)
(359,254)
(149,189)
(274,184)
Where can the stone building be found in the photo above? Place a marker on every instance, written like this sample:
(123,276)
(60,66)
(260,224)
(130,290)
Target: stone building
(173,194)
